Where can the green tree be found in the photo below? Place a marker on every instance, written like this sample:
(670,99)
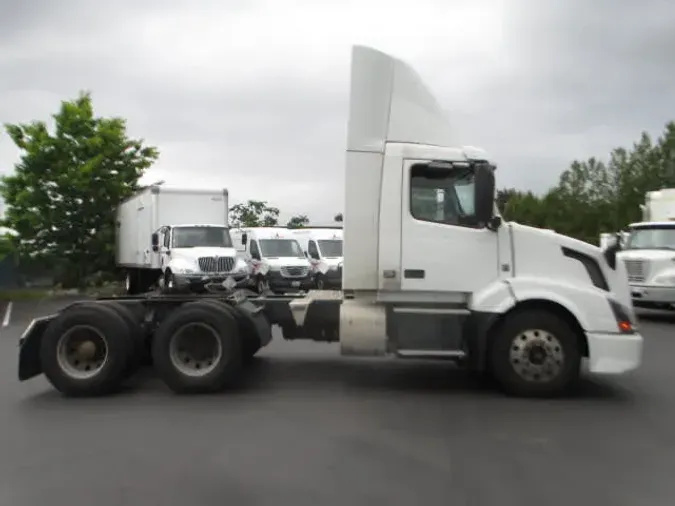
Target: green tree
(298,221)
(254,213)
(62,197)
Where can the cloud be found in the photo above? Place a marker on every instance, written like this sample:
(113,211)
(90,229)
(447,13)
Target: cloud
(253,95)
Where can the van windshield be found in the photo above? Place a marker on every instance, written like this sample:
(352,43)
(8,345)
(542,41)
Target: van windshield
(330,248)
(192,237)
(277,248)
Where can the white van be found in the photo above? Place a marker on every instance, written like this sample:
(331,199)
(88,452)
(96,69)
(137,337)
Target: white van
(274,257)
(323,248)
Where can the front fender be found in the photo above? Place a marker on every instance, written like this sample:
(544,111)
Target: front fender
(588,304)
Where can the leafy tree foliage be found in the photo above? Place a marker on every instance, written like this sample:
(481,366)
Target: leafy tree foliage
(298,221)
(62,197)
(254,213)
(595,196)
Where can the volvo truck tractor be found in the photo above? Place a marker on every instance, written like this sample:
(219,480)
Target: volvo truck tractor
(431,271)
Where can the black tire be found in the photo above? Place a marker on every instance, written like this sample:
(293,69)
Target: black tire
(138,350)
(562,353)
(169,284)
(250,343)
(110,325)
(224,326)
(261,286)
(130,283)
(319,281)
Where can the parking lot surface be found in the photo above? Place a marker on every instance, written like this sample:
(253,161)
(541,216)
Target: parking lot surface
(310,428)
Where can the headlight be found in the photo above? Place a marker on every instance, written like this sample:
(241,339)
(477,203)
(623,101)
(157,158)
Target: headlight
(183,269)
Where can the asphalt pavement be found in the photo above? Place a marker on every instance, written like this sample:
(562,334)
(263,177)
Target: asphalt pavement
(310,428)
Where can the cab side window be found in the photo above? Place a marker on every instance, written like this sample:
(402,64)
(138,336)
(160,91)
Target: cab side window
(167,237)
(255,252)
(312,250)
(443,196)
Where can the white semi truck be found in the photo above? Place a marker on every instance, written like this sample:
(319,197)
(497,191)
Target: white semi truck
(649,252)
(177,238)
(323,248)
(524,305)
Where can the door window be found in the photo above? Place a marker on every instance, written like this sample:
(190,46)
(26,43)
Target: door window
(442,195)
(255,252)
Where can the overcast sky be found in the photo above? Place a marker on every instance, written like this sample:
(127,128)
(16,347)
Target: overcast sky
(252,95)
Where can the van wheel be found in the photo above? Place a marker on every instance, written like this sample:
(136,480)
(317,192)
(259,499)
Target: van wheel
(535,354)
(261,285)
(197,349)
(320,285)
(169,281)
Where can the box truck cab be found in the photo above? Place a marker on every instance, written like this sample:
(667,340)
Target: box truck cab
(323,249)
(274,258)
(176,237)
(649,256)
(194,254)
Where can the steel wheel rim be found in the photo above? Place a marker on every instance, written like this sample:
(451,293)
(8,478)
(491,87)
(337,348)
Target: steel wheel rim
(82,352)
(319,283)
(537,356)
(184,350)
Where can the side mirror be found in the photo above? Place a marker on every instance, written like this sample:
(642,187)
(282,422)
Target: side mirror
(154,240)
(484,193)
(155,248)
(306,254)
(243,239)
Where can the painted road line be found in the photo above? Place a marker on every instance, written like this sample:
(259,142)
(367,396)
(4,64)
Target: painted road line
(8,314)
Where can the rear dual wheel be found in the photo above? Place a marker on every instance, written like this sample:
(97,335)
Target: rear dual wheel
(198,348)
(90,349)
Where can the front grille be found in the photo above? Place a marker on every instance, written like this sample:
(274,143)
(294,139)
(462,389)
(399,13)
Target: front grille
(294,272)
(637,270)
(216,264)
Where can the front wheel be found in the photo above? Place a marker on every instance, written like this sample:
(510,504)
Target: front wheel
(320,284)
(535,354)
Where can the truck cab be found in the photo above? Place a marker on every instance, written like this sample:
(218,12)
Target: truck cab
(191,254)
(649,256)
(323,249)
(275,260)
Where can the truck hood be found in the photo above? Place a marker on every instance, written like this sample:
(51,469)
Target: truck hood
(192,254)
(541,253)
(286,262)
(647,254)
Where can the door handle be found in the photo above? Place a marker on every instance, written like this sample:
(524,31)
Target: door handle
(413,273)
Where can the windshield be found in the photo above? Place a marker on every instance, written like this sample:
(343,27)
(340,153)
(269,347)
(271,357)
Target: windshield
(330,248)
(651,238)
(275,248)
(191,237)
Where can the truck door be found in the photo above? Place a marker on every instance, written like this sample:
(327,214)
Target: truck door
(442,250)
(165,248)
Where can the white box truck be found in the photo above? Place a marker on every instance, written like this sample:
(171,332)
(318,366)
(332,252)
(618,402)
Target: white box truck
(275,260)
(526,306)
(323,248)
(178,238)
(648,251)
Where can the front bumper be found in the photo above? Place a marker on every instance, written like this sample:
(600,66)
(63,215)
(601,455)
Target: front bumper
(242,279)
(277,282)
(613,353)
(652,294)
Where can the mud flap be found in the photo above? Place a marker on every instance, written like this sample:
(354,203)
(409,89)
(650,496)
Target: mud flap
(29,348)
